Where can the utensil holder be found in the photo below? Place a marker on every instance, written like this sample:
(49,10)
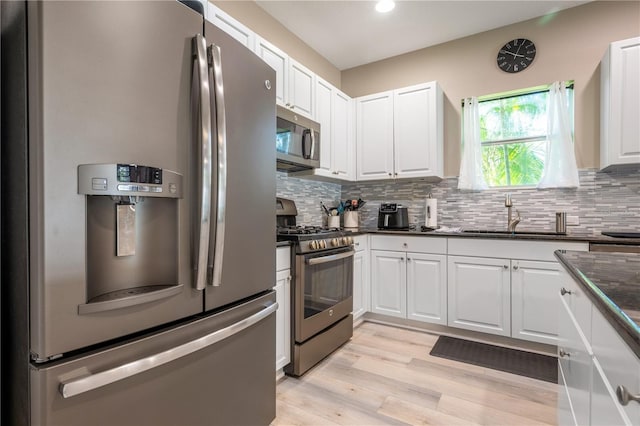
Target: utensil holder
(333,221)
(350,219)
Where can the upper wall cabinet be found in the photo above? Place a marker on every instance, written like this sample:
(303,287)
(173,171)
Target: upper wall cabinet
(295,83)
(400,133)
(620,104)
(230,26)
(279,61)
(334,112)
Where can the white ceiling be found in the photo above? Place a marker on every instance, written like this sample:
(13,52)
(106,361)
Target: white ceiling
(352,33)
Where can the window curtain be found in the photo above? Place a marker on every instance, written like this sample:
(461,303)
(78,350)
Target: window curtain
(471,176)
(560,169)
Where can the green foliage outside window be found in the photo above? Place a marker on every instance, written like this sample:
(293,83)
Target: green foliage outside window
(513,136)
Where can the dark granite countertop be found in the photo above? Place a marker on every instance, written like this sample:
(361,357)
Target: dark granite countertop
(500,235)
(612,282)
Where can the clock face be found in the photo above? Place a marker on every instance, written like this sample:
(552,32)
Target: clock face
(516,55)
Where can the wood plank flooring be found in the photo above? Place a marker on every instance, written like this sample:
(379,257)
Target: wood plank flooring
(385,376)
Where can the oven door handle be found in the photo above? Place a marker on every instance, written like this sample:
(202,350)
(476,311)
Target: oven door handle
(333,257)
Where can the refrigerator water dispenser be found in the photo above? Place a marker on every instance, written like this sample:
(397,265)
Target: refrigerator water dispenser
(131,234)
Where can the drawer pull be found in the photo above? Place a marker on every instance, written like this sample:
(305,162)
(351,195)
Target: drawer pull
(624,396)
(564,291)
(563,354)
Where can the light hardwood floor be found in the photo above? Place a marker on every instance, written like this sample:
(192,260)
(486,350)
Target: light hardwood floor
(385,376)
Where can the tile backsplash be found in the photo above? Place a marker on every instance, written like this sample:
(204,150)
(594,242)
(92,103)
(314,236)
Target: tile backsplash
(603,201)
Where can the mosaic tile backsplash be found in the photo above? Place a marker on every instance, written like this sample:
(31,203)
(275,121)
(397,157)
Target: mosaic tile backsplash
(603,201)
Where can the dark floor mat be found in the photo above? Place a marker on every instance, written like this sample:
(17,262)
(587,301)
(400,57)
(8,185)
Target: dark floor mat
(537,366)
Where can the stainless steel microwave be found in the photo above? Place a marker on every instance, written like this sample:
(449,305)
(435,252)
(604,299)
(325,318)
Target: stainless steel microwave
(297,142)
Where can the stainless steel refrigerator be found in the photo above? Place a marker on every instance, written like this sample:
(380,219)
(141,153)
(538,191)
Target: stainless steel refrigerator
(138,221)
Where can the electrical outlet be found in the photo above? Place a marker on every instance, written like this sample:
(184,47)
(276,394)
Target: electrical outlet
(573,220)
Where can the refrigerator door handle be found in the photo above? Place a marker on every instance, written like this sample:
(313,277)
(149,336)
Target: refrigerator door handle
(203,223)
(221,144)
(94,381)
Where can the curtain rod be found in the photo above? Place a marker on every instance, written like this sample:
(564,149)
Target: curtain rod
(515,93)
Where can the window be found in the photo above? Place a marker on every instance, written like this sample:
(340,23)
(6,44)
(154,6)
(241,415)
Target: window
(513,129)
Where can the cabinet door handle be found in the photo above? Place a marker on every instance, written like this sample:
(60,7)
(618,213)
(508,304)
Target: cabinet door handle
(389,174)
(624,396)
(505,266)
(564,291)
(515,267)
(563,354)
(408,259)
(405,245)
(402,259)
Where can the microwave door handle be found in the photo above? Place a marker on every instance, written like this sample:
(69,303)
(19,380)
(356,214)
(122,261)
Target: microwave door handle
(203,219)
(221,144)
(313,143)
(305,133)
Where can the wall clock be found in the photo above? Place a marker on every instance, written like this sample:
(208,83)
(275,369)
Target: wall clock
(516,55)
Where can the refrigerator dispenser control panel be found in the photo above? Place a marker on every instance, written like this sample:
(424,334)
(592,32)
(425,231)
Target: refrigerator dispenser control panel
(128,180)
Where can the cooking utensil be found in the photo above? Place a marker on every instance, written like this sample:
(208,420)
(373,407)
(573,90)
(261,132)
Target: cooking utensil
(326,211)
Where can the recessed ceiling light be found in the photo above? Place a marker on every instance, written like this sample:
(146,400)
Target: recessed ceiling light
(384,6)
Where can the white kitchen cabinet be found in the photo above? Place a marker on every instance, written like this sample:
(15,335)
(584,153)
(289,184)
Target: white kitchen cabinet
(388,283)
(479,296)
(343,160)
(400,133)
(618,366)
(533,291)
(374,136)
(575,364)
(301,89)
(279,61)
(408,278)
(231,26)
(334,112)
(295,84)
(361,286)
(594,360)
(283,314)
(426,287)
(418,131)
(620,104)
(519,280)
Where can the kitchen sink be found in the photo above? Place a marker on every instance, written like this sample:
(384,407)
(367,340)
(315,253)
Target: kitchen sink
(488,231)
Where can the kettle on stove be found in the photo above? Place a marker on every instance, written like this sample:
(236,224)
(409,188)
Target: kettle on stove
(393,216)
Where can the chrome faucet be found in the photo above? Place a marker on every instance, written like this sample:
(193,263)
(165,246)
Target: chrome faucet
(511,222)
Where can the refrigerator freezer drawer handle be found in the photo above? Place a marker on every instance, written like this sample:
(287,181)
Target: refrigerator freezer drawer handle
(221,143)
(95,381)
(204,172)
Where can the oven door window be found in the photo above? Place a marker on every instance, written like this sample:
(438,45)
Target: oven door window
(328,280)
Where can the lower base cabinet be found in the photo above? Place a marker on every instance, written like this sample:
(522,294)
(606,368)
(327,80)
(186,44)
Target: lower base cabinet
(409,283)
(594,361)
(283,314)
(361,287)
(479,294)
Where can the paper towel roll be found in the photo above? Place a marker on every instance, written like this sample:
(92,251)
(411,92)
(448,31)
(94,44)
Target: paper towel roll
(431,216)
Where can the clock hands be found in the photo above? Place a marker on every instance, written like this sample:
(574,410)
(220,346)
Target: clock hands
(511,53)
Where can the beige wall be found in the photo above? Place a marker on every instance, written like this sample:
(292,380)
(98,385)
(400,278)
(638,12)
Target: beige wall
(260,22)
(569,47)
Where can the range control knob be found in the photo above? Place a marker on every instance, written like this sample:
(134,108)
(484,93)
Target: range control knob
(350,240)
(313,245)
(323,244)
(345,240)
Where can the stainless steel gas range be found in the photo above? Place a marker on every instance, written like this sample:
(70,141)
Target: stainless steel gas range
(322,295)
